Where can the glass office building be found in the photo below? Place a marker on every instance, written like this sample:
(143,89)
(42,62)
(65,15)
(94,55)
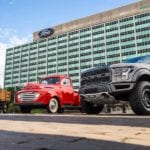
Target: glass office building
(105,38)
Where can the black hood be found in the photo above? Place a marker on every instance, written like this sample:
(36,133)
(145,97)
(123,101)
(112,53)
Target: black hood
(96,70)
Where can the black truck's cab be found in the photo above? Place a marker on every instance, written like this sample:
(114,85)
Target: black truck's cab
(128,81)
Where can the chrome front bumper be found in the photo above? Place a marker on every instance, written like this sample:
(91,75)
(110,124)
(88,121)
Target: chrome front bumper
(99,98)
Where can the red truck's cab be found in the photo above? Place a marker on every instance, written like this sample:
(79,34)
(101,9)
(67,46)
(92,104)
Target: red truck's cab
(53,92)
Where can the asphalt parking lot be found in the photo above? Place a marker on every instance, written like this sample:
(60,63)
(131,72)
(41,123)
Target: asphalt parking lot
(74,131)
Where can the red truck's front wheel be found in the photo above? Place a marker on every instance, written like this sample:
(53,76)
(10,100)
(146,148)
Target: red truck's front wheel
(53,106)
(25,109)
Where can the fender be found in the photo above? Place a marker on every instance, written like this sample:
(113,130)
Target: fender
(57,94)
(76,98)
(139,73)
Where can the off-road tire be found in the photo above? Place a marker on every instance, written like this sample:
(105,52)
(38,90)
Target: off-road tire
(140,98)
(89,108)
(60,110)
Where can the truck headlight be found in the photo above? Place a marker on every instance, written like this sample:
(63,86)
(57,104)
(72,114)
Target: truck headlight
(20,96)
(36,95)
(121,74)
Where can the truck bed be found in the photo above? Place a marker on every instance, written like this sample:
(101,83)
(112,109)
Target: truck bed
(4,95)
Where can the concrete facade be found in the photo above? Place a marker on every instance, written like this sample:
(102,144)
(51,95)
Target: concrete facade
(105,38)
(99,18)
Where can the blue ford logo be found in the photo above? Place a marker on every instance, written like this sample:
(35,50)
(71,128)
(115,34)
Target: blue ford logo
(46,32)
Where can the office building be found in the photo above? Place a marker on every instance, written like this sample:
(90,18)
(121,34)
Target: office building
(70,48)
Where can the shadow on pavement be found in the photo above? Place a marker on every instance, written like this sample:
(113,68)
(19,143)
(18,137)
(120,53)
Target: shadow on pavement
(28,141)
(135,121)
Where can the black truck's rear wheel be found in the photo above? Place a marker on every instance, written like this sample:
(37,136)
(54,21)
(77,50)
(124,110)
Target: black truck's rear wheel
(60,110)
(140,98)
(25,109)
(90,108)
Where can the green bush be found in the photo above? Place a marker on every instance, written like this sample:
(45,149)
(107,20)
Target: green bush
(13,108)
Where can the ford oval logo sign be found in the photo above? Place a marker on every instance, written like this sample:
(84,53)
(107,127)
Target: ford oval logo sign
(46,32)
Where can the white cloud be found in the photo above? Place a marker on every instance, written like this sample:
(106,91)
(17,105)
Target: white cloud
(9,38)
(5,32)
(2,62)
(18,41)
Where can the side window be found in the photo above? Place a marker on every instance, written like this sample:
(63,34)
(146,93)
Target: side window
(65,82)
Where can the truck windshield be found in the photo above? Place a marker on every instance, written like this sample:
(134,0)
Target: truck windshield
(141,59)
(52,80)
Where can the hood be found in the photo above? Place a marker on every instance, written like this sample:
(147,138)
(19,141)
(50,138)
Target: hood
(95,70)
(33,86)
(137,65)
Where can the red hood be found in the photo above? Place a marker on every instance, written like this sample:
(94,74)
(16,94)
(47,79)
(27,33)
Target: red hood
(32,86)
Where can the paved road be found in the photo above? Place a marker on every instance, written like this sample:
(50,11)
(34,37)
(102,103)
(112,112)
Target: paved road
(74,132)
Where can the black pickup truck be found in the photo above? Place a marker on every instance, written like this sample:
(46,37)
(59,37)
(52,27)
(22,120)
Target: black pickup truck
(128,81)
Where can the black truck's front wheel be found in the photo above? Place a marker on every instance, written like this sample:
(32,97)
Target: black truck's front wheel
(140,98)
(90,108)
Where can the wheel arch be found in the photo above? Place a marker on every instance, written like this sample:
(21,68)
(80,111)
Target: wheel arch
(141,75)
(144,77)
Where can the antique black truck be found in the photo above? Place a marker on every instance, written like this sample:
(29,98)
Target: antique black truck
(128,81)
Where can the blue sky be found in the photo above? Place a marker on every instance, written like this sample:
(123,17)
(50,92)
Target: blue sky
(20,18)
(26,16)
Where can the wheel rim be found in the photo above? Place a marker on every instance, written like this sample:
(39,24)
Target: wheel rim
(146,98)
(53,105)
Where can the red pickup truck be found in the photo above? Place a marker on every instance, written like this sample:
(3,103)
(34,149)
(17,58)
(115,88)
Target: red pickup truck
(53,93)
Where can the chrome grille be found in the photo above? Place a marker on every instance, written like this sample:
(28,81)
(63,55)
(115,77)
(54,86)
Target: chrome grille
(28,96)
(97,79)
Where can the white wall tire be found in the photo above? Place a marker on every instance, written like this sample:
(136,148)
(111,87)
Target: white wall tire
(53,105)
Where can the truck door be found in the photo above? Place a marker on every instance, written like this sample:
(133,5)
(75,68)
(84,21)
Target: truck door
(67,91)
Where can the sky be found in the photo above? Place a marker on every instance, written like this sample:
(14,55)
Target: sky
(20,18)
